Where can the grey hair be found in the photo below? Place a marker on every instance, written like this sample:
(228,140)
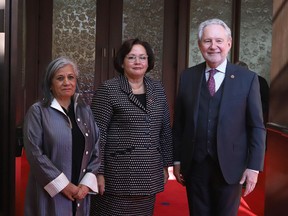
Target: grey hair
(213,22)
(52,68)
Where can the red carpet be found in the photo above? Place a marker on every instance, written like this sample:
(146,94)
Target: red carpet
(173,201)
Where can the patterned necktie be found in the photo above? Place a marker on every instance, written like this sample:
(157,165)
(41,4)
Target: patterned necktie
(211,81)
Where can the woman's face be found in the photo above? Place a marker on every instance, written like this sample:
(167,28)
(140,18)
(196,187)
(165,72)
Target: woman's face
(64,83)
(135,63)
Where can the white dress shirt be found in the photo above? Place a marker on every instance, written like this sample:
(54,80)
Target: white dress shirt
(219,75)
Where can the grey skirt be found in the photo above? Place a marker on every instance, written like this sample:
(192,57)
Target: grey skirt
(130,205)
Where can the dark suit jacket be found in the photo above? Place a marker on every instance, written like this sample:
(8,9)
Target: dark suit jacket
(240,130)
(136,142)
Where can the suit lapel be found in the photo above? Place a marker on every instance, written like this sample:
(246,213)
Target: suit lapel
(150,94)
(197,82)
(229,85)
(124,85)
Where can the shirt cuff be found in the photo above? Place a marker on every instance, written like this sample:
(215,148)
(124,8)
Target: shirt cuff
(57,185)
(256,171)
(90,181)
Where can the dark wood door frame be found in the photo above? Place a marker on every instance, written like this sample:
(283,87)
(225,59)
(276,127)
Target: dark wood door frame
(7,175)
(39,20)
(236,22)
(108,38)
(27,50)
(9,87)
(175,46)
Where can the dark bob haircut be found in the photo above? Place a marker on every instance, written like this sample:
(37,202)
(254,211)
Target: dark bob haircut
(126,48)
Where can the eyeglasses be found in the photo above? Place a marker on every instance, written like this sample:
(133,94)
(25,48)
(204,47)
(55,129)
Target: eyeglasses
(133,58)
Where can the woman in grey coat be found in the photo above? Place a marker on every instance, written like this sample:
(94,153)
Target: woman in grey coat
(61,142)
(132,113)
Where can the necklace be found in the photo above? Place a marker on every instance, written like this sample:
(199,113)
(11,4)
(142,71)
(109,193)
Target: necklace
(137,89)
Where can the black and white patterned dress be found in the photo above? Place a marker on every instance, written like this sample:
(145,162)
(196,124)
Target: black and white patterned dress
(136,143)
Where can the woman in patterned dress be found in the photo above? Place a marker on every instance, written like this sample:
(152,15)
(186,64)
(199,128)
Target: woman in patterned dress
(132,113)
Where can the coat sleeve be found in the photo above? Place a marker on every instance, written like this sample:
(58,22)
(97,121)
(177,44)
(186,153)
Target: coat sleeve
(89,179)
(41,167)
(95,160)
(255,126)
(102,112)
(166,143)
(178,124)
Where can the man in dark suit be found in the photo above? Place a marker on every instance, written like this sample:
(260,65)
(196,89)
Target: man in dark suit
(219,136)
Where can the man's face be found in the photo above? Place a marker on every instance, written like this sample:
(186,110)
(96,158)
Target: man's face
(214,45)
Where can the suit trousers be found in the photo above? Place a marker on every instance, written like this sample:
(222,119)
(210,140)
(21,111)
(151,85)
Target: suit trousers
(207,192)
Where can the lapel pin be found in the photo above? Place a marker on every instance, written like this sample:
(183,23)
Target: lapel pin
(232,76)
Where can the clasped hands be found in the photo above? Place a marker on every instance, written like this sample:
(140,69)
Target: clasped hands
(73,192)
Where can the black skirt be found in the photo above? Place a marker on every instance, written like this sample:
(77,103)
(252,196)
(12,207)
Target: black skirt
(111,205)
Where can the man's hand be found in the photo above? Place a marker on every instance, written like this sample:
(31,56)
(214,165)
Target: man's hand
(250,177)
(166,174)
(178,175)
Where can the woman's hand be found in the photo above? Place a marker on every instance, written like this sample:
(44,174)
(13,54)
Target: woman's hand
(83,191)
(101,183)
(70,191)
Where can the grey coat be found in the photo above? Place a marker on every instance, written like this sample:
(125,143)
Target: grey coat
(48,146)
(136,142)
